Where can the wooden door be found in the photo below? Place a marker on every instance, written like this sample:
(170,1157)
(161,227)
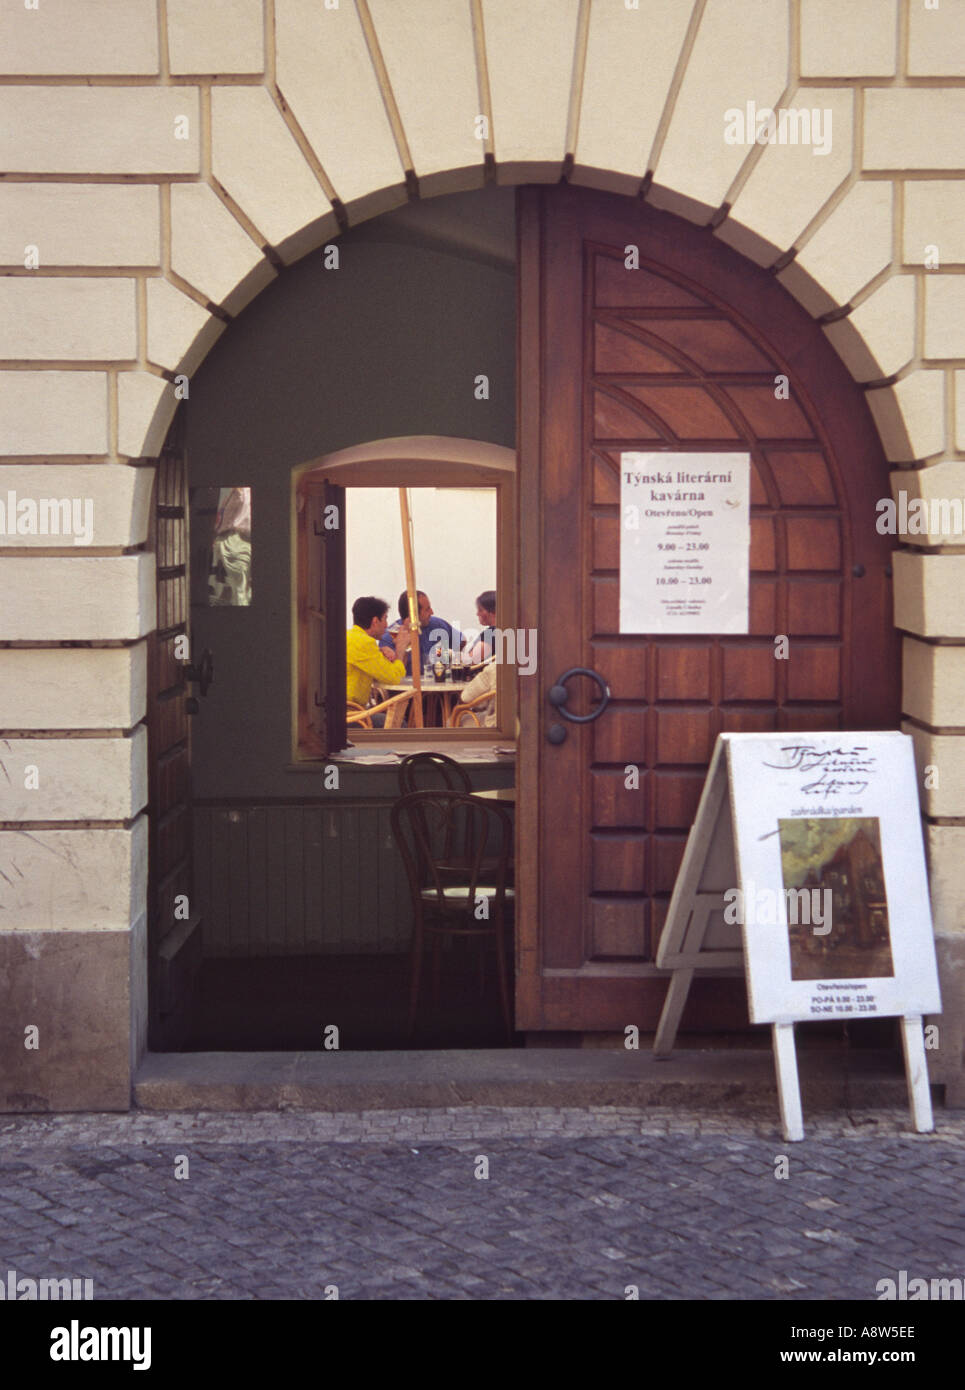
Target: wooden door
(174,922)
(683,353)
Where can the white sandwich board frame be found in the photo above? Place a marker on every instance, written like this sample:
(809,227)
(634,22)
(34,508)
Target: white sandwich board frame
(793,820)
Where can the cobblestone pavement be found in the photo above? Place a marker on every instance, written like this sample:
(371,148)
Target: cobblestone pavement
(578,1204)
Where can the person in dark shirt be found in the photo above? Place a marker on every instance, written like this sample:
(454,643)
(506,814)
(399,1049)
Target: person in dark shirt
(433,631)
(482,648)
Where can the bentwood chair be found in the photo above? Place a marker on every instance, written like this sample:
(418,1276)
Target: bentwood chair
(437,772)
(362,720)
(396,709)
(422,772)
(470,899)
(467,714)
(419,772)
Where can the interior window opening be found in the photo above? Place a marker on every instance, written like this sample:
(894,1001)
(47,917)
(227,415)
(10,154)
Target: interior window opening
(400,568)
(453,560)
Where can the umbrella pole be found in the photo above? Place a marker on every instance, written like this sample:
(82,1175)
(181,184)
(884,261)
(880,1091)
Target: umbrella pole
(417,716)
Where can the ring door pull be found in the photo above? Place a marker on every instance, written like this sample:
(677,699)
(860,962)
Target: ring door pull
(558,695)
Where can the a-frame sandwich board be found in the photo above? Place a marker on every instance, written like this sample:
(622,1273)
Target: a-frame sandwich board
(770,771)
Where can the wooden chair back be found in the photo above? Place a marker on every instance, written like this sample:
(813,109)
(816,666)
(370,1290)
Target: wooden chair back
(397,708)
(420,772)
(426,824)
(460,711)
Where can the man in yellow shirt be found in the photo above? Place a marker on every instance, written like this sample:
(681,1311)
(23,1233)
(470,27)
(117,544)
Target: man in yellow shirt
(365,663)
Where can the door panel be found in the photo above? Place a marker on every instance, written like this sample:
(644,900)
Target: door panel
(681,354)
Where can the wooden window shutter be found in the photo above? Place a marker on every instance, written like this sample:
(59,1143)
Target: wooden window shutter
(325,689)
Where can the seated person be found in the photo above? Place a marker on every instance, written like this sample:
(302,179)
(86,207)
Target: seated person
(483,684)
(482,648)
(433,632)
(365,660)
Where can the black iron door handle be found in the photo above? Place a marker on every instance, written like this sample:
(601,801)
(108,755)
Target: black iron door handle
(558,695)
(202,675)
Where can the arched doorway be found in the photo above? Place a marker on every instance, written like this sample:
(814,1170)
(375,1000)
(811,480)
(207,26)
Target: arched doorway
(684,350)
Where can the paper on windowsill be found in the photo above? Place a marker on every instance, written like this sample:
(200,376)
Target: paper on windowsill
(470,753)
(387,757)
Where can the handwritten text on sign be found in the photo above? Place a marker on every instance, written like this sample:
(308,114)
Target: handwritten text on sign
(684,542)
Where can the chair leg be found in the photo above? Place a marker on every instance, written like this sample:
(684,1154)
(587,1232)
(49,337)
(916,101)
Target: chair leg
(416,974)
(501,966)
(482,966)
(436,948)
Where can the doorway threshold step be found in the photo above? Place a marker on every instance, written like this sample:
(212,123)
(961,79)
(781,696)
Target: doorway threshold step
(555,1077)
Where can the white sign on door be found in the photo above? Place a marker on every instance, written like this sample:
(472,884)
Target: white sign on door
(684,542)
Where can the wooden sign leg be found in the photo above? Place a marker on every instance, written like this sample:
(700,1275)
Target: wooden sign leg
(788,1090)
(916,1073)
(702,904)
(673,1007)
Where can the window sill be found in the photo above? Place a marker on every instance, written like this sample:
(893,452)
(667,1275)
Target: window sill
(370,755)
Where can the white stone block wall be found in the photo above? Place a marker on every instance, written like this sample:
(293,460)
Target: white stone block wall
(164,160)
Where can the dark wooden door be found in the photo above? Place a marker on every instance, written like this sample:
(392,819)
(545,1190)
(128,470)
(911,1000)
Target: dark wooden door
(174,922)
(683,353)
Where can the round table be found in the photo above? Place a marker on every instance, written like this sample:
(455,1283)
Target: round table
(446,692)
